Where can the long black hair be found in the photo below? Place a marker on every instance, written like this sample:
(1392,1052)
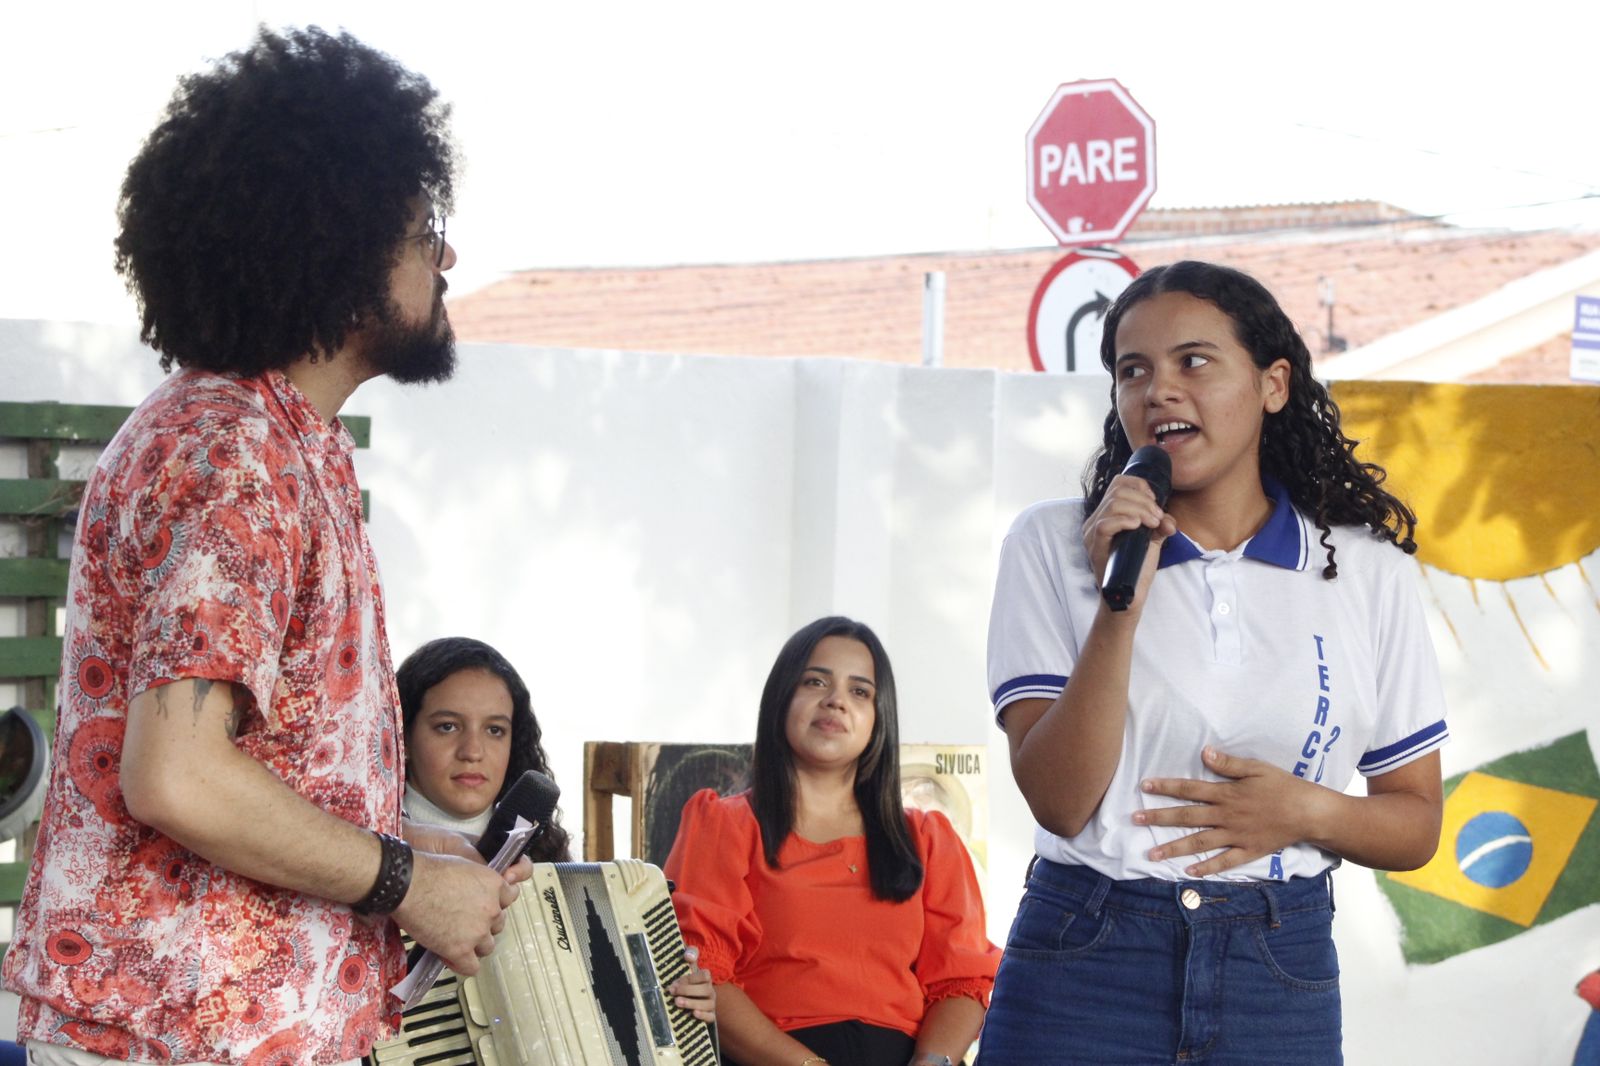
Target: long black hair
(262,217)
(1302,446)
(439,659)
(892,860)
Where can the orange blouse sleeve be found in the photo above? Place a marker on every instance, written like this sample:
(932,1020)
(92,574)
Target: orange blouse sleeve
(709,861)
(956,958)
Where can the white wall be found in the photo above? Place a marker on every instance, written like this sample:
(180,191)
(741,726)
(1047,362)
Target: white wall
(639,533)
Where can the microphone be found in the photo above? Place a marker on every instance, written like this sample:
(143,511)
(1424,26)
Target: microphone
(533,797)
(1128,547)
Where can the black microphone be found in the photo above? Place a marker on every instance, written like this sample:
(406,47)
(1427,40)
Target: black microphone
(532,797)
(1128,547)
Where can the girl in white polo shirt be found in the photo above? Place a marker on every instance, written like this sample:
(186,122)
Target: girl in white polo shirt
(1186,758)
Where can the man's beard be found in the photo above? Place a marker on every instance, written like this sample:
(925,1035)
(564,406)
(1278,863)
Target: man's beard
(411,354)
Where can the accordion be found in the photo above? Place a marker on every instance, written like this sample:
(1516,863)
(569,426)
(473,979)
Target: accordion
(578,976)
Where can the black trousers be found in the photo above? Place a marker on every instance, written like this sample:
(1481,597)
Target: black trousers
(854,1044)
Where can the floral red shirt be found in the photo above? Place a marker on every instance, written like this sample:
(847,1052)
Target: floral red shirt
(220,537)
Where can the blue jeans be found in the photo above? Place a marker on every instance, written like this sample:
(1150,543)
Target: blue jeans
(1147,972)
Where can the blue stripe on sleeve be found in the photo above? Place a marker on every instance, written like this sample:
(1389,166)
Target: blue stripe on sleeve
(1029,686)
(1402,751)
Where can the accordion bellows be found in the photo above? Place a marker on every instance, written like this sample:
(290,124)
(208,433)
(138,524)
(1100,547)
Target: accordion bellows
(578,976)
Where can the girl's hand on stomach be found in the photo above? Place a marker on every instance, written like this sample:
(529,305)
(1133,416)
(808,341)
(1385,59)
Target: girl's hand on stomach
(1257,811)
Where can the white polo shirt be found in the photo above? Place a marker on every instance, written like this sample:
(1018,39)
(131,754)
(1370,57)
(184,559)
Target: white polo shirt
(1251,651)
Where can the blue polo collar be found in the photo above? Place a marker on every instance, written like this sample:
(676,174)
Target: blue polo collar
(1284,541)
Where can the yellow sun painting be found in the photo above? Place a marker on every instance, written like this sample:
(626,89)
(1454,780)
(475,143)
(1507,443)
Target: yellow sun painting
(1504,479)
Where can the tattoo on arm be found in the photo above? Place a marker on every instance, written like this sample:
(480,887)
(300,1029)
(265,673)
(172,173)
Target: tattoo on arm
(235,714)
(202,688)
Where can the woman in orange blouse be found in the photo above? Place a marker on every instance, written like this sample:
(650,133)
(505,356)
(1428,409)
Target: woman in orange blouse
(839,927)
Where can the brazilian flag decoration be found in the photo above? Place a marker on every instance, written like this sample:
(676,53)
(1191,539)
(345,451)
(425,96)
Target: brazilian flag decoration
(1520,846)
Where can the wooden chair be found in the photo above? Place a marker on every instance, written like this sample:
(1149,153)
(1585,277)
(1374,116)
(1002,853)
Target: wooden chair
(659,778)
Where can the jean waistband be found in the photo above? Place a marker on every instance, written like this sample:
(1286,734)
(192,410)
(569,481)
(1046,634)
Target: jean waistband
(1189,900)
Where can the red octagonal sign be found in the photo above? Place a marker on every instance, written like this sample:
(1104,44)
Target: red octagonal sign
(1091,162)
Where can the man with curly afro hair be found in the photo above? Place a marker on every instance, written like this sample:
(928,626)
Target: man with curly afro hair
(222,869)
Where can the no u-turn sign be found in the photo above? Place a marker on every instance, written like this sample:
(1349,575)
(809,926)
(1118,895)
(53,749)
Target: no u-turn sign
(1069,308)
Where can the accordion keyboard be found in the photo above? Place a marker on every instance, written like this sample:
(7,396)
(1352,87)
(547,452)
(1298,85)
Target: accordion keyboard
(693,1036)
(433,1033)
(578,978)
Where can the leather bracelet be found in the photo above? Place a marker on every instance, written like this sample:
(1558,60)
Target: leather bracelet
(394,877)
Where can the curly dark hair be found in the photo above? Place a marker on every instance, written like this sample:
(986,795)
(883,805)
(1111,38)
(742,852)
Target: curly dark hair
(439,659)
(261,218)
(893,864)
(1302,446)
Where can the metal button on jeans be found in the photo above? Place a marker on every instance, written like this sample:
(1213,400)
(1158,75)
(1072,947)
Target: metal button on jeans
(1189,898)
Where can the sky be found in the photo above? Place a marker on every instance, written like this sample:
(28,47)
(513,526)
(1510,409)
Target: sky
(620,132)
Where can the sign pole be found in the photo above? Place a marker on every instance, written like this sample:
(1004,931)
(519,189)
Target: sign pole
(933,318)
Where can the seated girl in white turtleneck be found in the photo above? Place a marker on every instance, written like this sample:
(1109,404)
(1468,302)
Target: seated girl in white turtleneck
(469,734)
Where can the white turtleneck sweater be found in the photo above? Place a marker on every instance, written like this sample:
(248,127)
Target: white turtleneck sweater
(422,810)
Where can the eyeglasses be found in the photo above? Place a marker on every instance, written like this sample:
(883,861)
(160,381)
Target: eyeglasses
(433,240)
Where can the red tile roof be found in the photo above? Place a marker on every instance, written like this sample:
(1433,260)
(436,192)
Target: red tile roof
(1385,278)
(1548,364)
